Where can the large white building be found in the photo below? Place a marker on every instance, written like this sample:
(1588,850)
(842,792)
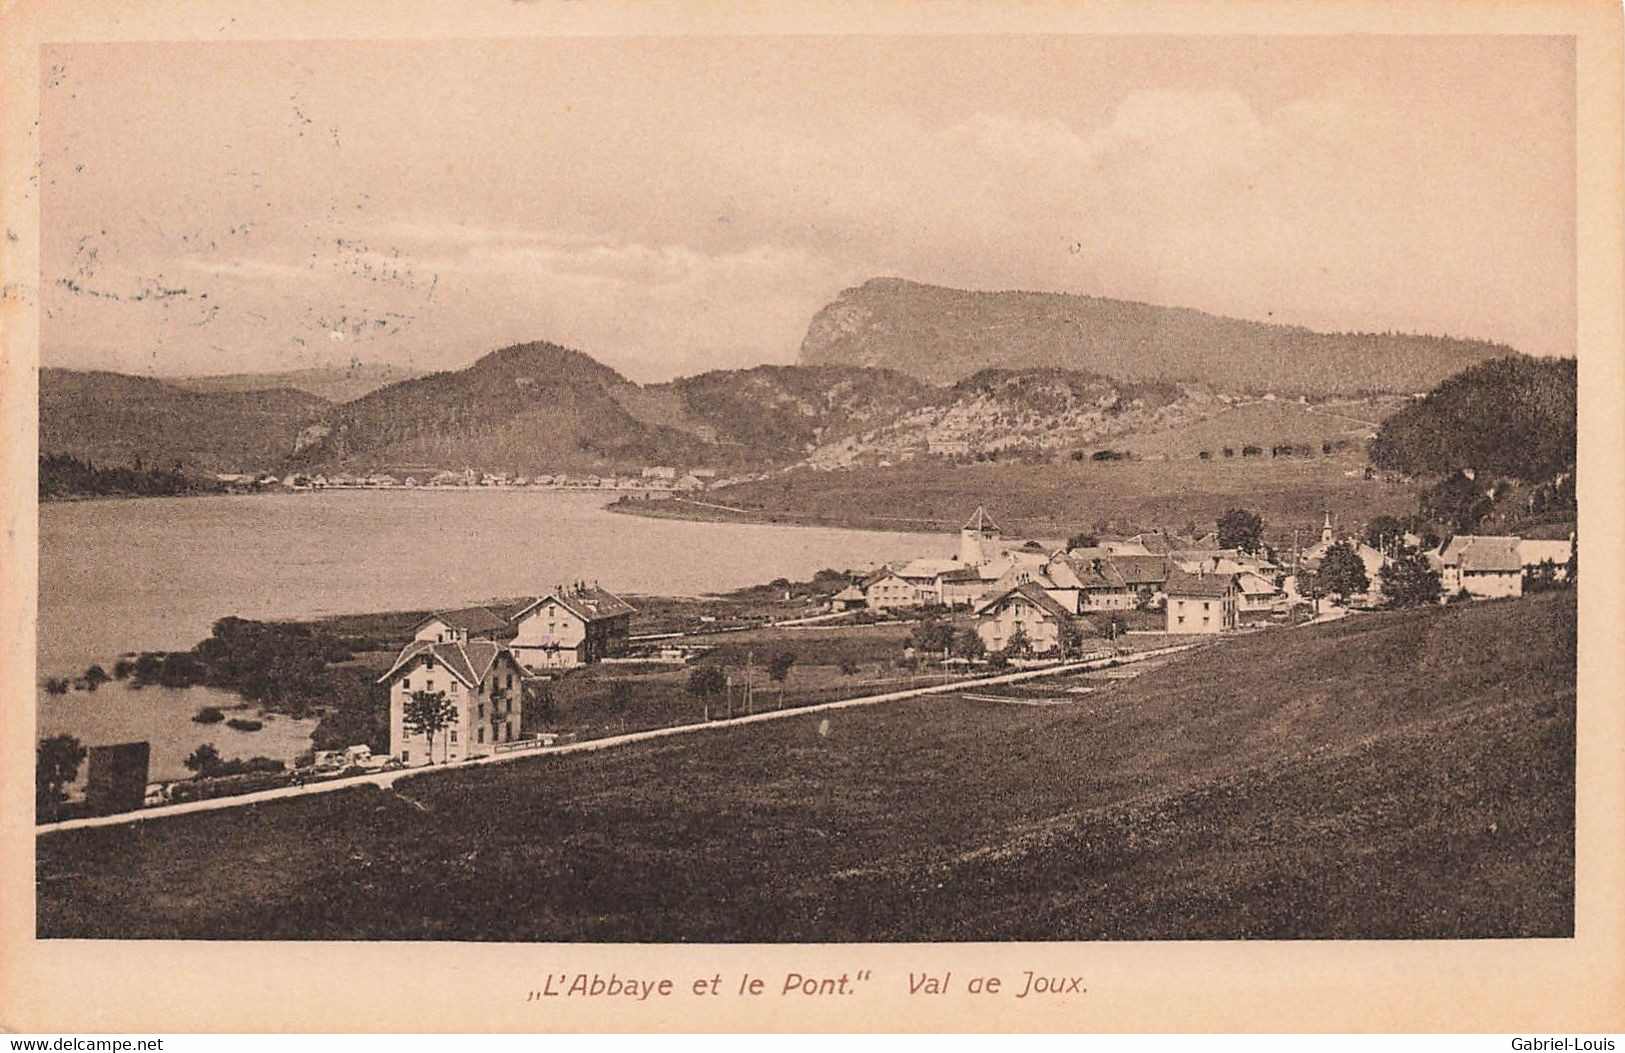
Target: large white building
(480,678)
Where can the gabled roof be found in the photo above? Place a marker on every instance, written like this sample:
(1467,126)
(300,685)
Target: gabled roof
(961,574)
(587,602)
(470,619)
(851,592)
(1483,553)
(468,661)
(1180,583)
(1254,584)
(1091,573)
(1031,592)
(880,573)
(929,568)
(1142,570)
(1161,542)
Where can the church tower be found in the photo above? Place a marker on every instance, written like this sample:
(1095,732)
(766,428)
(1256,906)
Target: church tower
(978,539)
(1326,530)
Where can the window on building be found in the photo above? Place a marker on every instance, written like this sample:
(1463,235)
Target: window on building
(406,755)
(1181,619)
(454,734)
(428,663)
(406,683)
(482,710)
(1206,606)
(428,685)
(479,734)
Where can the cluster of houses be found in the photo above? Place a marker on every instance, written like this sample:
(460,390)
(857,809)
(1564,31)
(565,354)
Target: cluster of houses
(1018,590)
(480,657)
(1200,586)
(655,478)
(1044,591)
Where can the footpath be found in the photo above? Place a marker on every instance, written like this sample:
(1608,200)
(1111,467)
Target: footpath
(387,780)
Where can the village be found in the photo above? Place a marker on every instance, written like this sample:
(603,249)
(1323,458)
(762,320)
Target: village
(546,671)
(652,480)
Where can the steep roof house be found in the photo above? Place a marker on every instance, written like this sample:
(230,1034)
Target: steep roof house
(1487,567)
(467,623)
(1093,584)
(573,625)
(1201,603)
(885,588)
(481,678)
(1039,616)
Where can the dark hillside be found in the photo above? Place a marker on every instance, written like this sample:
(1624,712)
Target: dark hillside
(115,419)
(1513,416)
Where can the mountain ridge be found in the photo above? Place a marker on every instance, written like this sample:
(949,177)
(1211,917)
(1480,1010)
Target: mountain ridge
(941,334)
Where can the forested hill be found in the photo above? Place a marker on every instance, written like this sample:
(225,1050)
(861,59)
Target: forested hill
(941,335)
(113,419)
(1513,416)
(530,407)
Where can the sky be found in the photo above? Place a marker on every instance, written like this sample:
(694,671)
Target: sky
(671,205)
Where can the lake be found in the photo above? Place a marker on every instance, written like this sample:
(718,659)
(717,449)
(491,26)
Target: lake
(155,574)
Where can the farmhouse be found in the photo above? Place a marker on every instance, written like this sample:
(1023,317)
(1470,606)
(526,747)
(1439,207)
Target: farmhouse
(1486,567)
(1201,603)
(1258,594)
(469,623)
(571,626)
(926,574)
(885,589)
(1143,574)
(848,599)
(1038,616)
(1092,584)
(478,677)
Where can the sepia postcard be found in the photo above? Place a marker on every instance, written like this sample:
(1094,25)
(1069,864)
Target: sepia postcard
(531,516)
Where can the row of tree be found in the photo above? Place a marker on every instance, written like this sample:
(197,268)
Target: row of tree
(63,475)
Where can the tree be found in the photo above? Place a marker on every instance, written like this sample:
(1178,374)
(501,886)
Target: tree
(1083,539)
(204,762)
(1343,572)
(1381,531)
(1018,644)
(1457,503)
(1410,581)
(932,635)
(1071,638)
(997,660)
(540,704)
(1242,529)
(778,670)
(969,644)
(56,763)
(705,683)
(428,713)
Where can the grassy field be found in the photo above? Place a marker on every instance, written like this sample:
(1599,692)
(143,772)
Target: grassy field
(1386,776)
(1266,424)
(1056,500)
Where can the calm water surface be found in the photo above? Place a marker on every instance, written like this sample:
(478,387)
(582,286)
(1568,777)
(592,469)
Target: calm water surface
(154,574)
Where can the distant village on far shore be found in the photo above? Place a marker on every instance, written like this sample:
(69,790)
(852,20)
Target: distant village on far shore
(654,479)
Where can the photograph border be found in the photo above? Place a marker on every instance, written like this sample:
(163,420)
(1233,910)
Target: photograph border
(1560,986)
